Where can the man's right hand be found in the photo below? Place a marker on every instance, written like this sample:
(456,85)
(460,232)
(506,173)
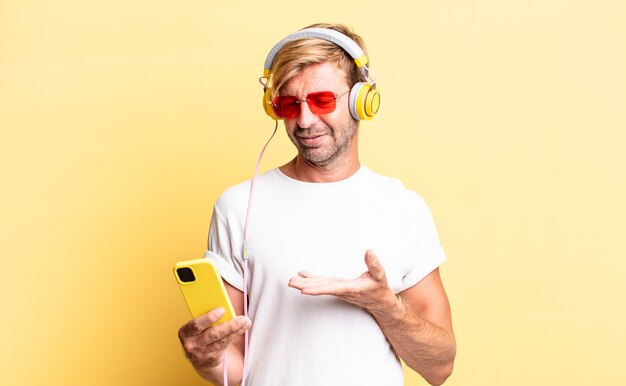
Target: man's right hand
(204,344)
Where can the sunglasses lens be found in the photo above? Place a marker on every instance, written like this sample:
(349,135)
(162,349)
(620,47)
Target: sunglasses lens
(286,106)
(322,102)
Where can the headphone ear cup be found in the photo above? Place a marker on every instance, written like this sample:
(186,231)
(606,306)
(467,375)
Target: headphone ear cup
(364,101)
(267,104)
(352,102)
(372,102)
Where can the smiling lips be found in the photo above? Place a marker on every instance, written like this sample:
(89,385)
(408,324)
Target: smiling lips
(311,139)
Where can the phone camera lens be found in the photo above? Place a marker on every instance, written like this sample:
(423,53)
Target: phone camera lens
(185,274)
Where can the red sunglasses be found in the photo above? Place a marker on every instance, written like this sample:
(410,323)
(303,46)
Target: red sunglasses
(323,102)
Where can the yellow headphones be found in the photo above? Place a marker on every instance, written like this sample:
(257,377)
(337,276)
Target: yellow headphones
(364,99)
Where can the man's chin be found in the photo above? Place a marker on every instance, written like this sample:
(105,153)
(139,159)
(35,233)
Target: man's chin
(316,159)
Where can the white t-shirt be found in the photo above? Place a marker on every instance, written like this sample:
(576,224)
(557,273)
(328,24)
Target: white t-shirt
(323,228)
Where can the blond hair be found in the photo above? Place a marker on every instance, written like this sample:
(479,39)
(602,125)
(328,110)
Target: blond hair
(296,55)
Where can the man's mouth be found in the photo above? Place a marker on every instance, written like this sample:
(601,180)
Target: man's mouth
(311,139)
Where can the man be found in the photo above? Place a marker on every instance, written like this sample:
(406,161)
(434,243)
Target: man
(343,271)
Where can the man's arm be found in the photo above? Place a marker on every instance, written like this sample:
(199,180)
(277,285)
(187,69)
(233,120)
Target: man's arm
(418,324)
(205,346)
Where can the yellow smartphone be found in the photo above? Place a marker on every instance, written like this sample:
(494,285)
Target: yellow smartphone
(203,288)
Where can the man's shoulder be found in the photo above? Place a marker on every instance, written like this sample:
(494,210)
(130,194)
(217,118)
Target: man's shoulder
(382,179)
(389,185)
(241,191)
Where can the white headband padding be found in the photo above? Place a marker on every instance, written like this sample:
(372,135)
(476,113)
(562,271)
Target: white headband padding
(330,35)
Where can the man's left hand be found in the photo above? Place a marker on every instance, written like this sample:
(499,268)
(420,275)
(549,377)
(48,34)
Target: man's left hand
(369,291)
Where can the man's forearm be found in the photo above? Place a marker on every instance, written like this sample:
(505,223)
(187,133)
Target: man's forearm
(427,347)
(423,346)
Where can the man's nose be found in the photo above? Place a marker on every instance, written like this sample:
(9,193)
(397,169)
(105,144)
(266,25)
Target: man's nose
(306,118)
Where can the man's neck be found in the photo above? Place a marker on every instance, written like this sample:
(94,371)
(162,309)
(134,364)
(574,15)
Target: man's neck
(302,170)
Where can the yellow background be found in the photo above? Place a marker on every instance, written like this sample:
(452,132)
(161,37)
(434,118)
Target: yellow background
(121,122)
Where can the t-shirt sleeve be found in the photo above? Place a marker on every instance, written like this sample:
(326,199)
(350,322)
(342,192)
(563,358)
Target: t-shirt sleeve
(225,250)
(429,254)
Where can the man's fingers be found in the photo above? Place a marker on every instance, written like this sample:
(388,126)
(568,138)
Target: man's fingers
(197,325)
(373,265)
(225,332)
(310,284)
(306,279)
(329,287)
(309,275)
(319,285)
(205,349)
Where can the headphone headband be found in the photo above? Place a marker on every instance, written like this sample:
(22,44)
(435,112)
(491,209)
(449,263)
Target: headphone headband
(330,35)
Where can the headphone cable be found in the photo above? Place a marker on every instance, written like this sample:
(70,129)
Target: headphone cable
(246,256)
